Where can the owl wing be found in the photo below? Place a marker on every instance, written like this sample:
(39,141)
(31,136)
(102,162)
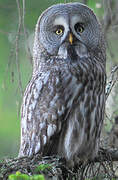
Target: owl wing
(41,114)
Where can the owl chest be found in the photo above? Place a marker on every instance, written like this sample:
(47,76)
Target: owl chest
(72,90)
(85,106)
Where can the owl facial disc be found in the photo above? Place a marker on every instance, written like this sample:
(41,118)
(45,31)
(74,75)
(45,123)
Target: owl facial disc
(59,20)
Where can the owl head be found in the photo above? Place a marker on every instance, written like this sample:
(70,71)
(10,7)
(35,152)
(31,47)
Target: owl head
(69,28)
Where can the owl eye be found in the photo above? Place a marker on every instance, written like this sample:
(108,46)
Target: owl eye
(79,28)
(59,31)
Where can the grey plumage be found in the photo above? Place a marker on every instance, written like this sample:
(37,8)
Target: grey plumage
(63,105)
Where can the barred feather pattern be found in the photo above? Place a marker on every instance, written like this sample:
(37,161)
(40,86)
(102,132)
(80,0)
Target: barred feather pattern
(63,109)
(63,105)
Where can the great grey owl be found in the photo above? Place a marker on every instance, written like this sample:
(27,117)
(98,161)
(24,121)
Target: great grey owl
(63,105)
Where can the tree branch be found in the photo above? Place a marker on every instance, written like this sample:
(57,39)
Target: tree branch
(17,45)
(28,165)
(112,81)
(25,33)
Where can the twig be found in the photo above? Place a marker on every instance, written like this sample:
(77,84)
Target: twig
(25,33)
(108,15)
(17,46)
(112,81)
(4,32)
(28,165)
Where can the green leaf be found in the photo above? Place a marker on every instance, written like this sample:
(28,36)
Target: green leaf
(18,176)
(42,167)
(37,177)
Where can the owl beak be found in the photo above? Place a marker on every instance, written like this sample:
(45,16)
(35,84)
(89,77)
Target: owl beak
(70,38)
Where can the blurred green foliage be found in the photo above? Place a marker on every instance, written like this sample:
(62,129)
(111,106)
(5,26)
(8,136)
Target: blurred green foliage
(10,96)
(42,167)
(20,176)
